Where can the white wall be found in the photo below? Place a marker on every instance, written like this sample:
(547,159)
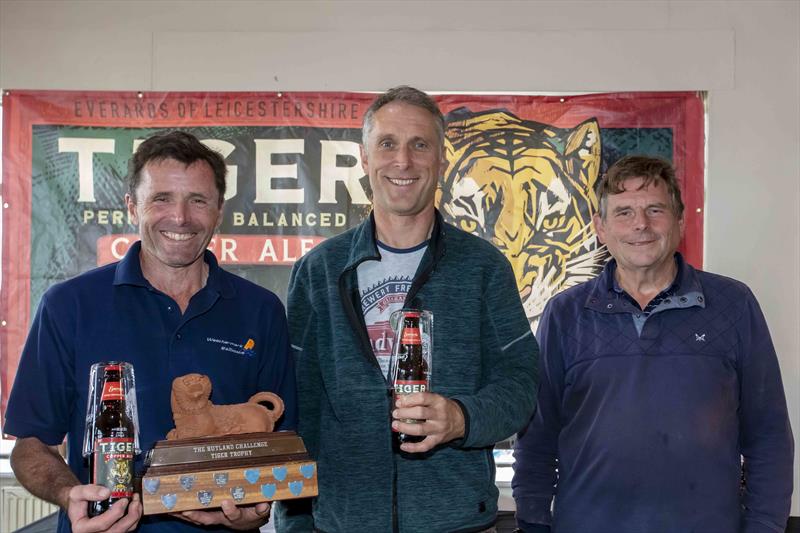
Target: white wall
(746,54)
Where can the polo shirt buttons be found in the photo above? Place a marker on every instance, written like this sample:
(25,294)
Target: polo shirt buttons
(609,306)
(178,336)
(169,308)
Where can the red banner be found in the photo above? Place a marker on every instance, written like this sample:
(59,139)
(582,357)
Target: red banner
(295,179)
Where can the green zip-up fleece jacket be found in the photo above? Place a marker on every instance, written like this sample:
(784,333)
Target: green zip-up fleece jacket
(485,358)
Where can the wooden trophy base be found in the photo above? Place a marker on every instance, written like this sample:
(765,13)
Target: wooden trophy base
(187,474)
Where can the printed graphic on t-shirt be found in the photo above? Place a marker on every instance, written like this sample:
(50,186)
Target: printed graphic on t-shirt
(378,303)
(383,286)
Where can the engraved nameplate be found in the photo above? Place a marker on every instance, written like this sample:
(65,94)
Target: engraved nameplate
(186,474)
(224,448)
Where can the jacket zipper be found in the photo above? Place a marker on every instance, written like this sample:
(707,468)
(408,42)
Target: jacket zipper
(357,322)
(437,250)
(395,524)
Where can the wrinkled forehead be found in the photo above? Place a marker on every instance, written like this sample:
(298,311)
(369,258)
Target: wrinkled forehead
(174,177)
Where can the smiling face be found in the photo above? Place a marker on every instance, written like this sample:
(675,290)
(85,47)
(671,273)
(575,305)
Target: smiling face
(177,208)
(641,228)
(403,159)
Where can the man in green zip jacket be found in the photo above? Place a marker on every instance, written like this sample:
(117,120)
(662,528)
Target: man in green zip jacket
(484,368)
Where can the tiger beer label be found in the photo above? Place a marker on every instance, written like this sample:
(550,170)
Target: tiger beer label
(409,387)
(411,336)
(113,465)
(111,391)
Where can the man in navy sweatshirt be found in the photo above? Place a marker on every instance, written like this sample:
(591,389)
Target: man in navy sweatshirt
(661,406)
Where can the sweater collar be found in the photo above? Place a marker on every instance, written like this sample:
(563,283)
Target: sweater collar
(365,243)
(606,294)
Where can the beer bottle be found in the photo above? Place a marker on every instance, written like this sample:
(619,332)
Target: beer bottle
(412,369)
(111,463)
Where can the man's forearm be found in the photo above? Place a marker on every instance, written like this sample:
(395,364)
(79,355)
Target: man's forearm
(42,471)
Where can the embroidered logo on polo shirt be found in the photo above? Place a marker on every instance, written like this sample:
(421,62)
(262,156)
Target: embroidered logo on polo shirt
(700,338)
(246,348)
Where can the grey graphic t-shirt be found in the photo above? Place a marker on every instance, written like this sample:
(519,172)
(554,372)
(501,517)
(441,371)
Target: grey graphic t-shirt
(383,286)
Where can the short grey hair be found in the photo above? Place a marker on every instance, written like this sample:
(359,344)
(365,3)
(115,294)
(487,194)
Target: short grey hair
(406,95)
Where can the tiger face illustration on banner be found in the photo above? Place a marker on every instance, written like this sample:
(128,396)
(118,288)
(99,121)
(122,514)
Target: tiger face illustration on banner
(529,188)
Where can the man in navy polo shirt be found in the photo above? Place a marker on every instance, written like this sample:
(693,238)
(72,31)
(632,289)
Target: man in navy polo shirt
(168,309)
(661,407)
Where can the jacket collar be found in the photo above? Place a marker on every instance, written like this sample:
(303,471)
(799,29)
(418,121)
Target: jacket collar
(437,237)
(364,245)
(129,272)
(606,295)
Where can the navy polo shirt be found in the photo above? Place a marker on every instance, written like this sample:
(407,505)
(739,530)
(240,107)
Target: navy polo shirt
(232,330)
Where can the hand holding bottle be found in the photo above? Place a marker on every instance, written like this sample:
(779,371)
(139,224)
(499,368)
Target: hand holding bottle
(123,515)
(442,420)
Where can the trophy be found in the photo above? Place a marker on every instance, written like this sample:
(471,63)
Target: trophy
(219,452)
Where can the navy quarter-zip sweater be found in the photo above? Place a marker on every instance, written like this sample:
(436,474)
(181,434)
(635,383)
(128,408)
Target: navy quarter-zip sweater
(647,416)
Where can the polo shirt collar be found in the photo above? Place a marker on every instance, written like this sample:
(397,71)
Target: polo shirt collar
(129,272)
(129,269)
(217,281)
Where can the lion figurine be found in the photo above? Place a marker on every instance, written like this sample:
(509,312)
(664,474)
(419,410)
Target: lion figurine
(196,416)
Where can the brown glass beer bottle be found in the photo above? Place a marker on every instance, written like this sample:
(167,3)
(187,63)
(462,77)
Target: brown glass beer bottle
(111,463)
(412,369)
